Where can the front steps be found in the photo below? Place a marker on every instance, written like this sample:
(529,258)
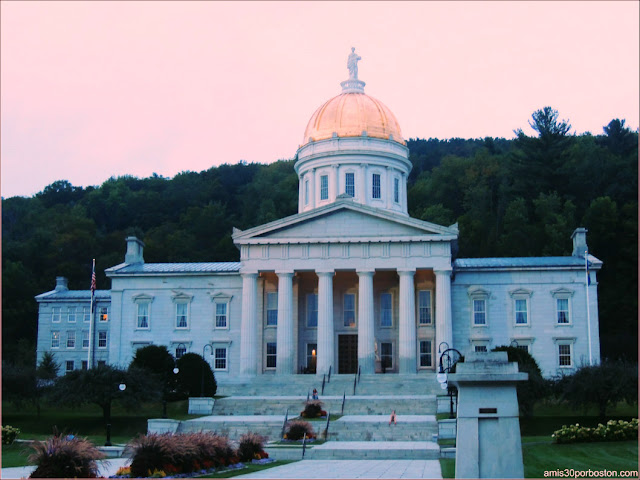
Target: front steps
(398,450)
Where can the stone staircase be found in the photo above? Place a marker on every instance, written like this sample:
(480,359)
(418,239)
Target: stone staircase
(363,432)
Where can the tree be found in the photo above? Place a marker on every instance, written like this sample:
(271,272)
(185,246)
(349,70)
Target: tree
(48,368)
(191,367)
(601,385)
(100,386)
(536,387)
(159,363)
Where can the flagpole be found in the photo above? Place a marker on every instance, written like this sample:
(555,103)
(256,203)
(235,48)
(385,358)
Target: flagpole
(586,285)
(93,289)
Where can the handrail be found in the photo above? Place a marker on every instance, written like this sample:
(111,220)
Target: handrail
(358,373)
(304,443)
(344,397)
(326,429)
(284,424)
(308,394)
(355,381)
(329,379)
(324,377)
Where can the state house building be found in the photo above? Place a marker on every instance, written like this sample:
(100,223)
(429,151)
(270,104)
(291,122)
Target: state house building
(349,281)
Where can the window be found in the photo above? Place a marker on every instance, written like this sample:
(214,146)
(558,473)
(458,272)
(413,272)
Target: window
(396,190)
(101,363)
(306,192)
(143,315)
(386,355)
(324,187)
(85,339)
(69,366)
(180,351)
(376,193)
(85,364)
(564,355)
(272,309)
(71,339)
(562,306)
(104,314)
(55,339)
(349,310)
(311,357)
(221,315)
(426,359)
(386,317)
(480,312)
(102,339)
(181,314)
(350,184)
(220,359)
(271,355)
(312,310)
(424,307)
(480,348)
(522,317)
(55,314)
(523,347)
(86,314)
(71,315)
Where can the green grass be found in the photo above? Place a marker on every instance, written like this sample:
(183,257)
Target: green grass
(444,416)
(542,457)
(448,467)
(249,468)
(15,455)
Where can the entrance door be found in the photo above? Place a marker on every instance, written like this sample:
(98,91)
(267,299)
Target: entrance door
(347,353)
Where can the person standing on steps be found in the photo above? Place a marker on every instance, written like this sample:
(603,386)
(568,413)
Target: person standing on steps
(393,418)
(314,395)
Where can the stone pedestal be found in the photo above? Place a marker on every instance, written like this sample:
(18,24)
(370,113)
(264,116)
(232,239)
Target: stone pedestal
(162,425)
(488,431)
(201,405)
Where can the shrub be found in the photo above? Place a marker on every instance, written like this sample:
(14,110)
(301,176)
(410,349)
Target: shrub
(150,452)
(251,444)
(297,428)
(213,450)
(190,376)
(312,409)
(613,431)
(65,457)
(9,434)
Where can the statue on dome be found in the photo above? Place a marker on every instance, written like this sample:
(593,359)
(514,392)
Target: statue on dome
(352,64)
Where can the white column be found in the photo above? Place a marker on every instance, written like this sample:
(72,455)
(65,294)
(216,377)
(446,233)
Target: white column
(325,323)
(403,192)
(300,193)
(361,193)
(444,328)
(286,346)
(366,340)
(312,189)
(249,325)
(389,192)
(336,182)
(407,330)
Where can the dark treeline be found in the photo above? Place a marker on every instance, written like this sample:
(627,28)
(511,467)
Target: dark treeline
(518,197)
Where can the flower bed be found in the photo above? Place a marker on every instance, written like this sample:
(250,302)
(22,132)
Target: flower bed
(297,429)
(313,409)
(614,430)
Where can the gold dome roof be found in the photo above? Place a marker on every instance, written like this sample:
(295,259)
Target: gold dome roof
(350,114)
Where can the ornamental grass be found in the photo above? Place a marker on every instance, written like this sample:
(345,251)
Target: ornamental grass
(251,447)
(296,429)
(313,409)
(65,457)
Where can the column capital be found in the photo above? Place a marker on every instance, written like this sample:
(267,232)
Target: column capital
(443,272)
(285,273)
(406,271)
(325,272)
(249,273)
(365,271)
(335,166)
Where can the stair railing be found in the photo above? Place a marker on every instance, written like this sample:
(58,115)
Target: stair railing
(324,378)
(355,382)
(358,373)
(284,424)
(344,397)
(329,378)
(326,429)
(308,394)
(304,444)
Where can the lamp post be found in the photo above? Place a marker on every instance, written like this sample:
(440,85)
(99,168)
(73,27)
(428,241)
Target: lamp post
(202,381)
(122,387)
(447,364)
(166,381)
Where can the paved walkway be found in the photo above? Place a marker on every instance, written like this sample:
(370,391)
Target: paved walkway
(330,469)
(106,468)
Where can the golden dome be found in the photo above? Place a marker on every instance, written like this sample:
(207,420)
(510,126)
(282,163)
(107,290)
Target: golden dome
(350,114)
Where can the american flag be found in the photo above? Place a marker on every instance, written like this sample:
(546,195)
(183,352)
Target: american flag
(93,277)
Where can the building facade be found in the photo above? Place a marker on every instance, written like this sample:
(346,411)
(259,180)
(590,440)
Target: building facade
(350,281)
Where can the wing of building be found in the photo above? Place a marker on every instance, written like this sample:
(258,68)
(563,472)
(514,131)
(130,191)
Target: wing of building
(349,281)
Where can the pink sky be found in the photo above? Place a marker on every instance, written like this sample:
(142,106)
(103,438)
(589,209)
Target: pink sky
(90,89)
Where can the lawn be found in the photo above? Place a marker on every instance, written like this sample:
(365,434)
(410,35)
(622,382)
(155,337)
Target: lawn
(249,468)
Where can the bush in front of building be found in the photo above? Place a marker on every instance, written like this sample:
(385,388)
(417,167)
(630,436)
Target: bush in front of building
(191,367)
(65,457)
(251,447)
(536,387)
(612,431)
(9,434)
(296,430)
(313,409)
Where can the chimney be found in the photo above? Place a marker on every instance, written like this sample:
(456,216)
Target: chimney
(134,251)
(62,284)
(579,237)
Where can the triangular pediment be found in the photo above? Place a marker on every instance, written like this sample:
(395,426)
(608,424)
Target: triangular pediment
(345,219)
